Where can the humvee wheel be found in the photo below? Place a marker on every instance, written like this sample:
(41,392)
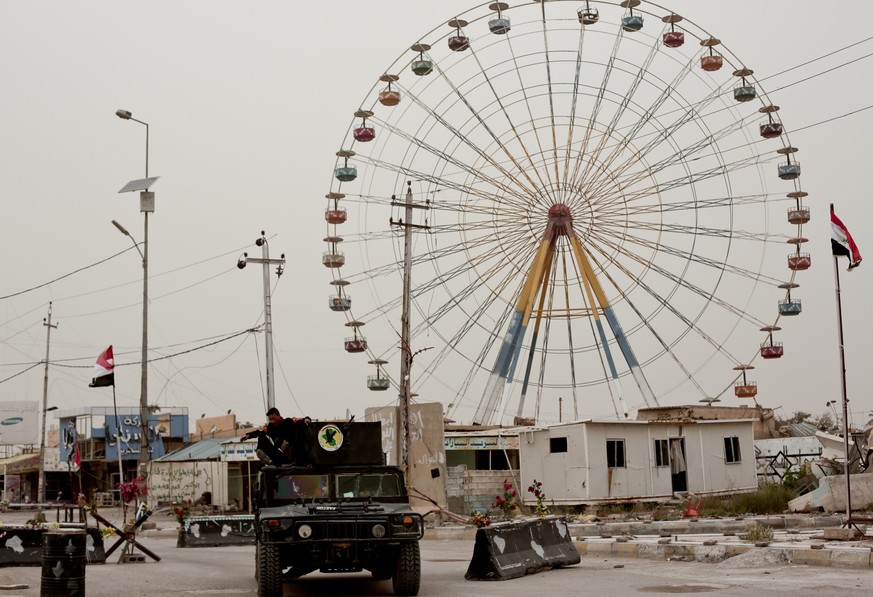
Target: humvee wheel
(407,576)
(269,571)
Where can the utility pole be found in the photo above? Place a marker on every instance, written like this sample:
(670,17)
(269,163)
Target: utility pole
(268,318)
(47,322)
(406,361)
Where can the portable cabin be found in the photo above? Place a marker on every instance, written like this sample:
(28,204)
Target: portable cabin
(590,461)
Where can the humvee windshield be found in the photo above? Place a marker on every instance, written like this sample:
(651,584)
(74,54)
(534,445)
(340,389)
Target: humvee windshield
(364,485)
(293,487)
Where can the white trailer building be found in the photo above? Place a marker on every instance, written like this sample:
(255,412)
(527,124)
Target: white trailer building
(601,461)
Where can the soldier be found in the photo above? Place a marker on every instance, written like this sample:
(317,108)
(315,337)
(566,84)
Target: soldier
(281,440)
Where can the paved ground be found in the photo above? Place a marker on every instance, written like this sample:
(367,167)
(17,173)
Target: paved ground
(230,571)
(763,572)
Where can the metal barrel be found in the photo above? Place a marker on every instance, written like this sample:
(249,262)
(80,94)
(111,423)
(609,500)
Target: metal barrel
(64,556)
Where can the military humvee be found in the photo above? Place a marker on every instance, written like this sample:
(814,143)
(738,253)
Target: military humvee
(338,508)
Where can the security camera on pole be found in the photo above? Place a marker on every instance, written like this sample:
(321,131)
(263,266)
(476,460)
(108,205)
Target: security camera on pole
(268,319)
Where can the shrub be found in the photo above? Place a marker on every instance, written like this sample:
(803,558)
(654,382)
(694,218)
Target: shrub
(757,534)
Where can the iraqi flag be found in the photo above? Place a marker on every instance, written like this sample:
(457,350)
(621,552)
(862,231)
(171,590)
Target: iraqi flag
(842,243)
(104,370)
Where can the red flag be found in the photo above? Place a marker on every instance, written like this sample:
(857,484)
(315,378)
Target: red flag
(842,243)
(78,459)
(104,374)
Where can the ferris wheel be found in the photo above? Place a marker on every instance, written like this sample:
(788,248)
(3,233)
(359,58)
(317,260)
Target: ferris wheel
(604,197)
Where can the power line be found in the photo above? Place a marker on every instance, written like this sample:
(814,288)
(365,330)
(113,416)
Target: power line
(81,269)
(823,56)
(162,358)
(21,372)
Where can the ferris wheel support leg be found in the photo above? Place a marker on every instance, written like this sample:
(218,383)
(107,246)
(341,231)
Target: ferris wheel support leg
(615,326)
(534,337)
(603,341)
(510,348)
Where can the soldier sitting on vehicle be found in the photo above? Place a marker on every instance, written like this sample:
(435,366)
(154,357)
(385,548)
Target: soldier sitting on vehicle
(280,441)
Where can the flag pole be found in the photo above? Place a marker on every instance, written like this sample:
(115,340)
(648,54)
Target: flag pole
(844,398)
(117,433)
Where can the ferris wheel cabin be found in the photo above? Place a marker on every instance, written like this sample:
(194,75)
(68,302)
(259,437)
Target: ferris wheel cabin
(673,38)
(771,349)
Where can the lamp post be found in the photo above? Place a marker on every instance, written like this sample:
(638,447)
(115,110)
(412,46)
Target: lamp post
(146,206)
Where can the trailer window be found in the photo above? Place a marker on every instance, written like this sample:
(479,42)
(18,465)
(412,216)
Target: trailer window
(662,452)
(615,453)
(732,449)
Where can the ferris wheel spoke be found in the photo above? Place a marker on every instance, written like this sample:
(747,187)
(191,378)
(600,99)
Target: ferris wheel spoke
(679,281)
(518,137)
(628,178)
(690,178)
(598,105)
(486,127)
(680,156)
(689,323)
(714,264)
(665,346)
(616,118)
(548,65)
(508,191)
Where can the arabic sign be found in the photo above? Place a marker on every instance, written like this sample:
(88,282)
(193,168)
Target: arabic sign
(238,451)
(127,438)
(18,423)
(482,442)
(67,437)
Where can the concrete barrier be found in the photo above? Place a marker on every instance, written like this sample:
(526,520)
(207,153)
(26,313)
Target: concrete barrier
(513,549)
(22,546)
(213,531)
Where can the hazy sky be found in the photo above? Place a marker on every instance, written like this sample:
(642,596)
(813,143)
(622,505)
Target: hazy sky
(247,103)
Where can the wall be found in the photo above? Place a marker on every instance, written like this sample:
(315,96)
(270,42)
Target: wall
(718,474)
(786,454)
(177,481)
(427,447)
(469,490)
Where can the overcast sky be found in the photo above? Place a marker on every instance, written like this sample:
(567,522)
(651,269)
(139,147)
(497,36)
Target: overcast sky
(247,103)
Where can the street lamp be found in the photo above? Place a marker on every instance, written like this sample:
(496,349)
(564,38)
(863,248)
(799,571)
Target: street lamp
(146,206)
